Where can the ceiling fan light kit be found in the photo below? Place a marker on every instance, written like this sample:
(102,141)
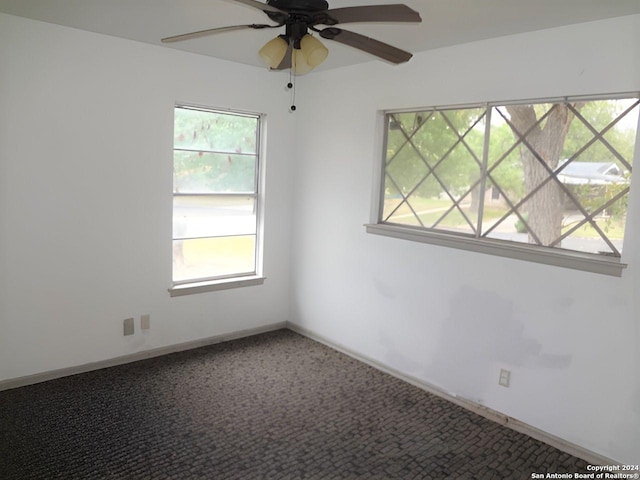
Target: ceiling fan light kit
(308,53)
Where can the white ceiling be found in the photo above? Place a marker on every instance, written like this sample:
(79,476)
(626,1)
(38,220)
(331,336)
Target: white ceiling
(445,22)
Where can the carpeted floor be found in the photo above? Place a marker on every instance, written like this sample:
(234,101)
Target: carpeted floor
(272,406)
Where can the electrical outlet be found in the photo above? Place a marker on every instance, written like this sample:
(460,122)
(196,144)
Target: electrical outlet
(505,377)
(145,322)
(128,326)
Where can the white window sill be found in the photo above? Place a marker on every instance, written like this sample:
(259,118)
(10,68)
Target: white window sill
(548,256)
(214,285)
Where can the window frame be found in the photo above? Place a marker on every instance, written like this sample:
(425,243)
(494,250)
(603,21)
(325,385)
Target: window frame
(239,279)
(589,262)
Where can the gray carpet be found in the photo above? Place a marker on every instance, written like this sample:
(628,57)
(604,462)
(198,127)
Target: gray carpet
(272,406)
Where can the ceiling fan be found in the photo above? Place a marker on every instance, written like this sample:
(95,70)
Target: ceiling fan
(297,49)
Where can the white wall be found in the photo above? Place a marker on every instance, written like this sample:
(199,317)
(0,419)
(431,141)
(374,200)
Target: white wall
(86,127)
(85,220)
(453,318)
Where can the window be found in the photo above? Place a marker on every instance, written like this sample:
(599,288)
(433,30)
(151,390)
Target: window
(544,181)
(215,198)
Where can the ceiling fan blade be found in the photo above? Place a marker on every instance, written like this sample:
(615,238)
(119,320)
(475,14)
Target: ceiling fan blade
(366,44)
(212,31)
(261,6)
(372,13)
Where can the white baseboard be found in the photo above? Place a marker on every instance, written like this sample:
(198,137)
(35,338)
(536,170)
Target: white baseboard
(134,357)
(556,442)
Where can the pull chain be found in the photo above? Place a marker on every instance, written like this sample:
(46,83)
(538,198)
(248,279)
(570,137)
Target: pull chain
(292,86)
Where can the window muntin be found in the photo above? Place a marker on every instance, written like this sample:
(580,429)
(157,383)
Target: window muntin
(550,174)
(215,195)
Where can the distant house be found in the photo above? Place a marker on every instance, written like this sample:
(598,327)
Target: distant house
(592,173)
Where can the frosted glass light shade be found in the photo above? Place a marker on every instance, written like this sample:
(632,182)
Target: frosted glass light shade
(314,51)
(299,65)
(273,52)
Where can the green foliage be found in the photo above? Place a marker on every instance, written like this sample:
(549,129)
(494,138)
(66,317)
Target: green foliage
(593,197)
(600,114)
(519,224)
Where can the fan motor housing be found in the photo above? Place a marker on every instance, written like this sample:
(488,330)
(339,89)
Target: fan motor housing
(300,5)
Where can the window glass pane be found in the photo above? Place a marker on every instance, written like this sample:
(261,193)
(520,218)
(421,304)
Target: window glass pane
(433,166)
(582,236)
(199,172)
(504,189)
(205,258)
(436,138)
(543,214)
(461,217)
(408,123)
(405,169)
(213,215)
(399,210)
(214,131)
(391,199)
(511,228)
(396,139)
